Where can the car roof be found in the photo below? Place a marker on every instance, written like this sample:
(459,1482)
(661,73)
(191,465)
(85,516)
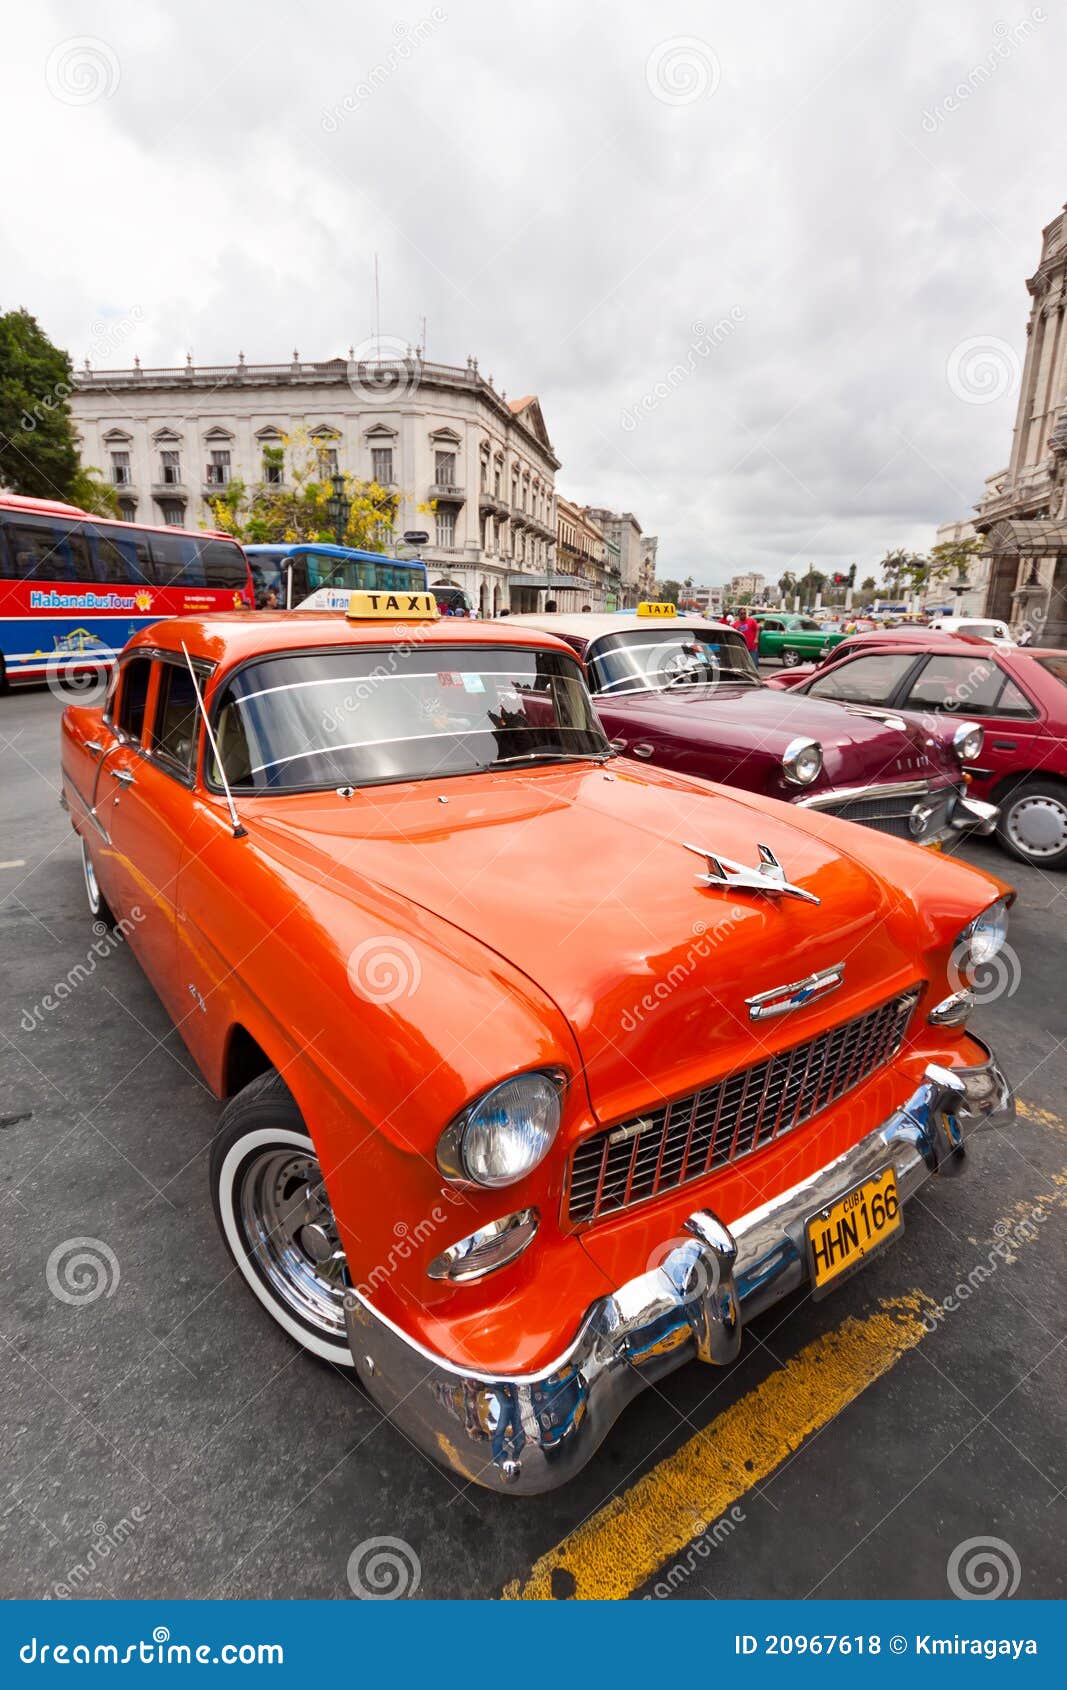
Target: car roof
(946,644)
(593,626)
(230,638)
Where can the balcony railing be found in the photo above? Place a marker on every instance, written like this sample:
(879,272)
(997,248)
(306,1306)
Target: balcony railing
(170,489)
(448,490)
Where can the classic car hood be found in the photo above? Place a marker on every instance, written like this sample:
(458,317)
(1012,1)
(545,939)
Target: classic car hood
(579,878)
(860,746)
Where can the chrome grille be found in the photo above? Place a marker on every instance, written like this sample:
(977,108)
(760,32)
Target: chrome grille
(691,1136)
(890,812)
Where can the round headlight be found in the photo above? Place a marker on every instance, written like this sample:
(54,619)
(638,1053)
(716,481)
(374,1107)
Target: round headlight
(802,761)
(968,740)
(504,1135)
(987,934)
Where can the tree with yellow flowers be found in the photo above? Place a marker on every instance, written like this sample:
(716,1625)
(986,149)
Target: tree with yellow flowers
(290,503)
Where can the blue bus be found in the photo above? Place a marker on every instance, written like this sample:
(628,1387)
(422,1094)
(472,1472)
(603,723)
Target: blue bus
(295,572)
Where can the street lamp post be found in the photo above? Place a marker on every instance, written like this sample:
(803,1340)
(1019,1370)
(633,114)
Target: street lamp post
(338,507)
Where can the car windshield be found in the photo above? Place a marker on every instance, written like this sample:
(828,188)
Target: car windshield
(361,716)
(653,659)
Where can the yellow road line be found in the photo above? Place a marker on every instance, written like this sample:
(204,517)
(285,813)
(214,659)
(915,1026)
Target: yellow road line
(1044,1117)
(624,1543)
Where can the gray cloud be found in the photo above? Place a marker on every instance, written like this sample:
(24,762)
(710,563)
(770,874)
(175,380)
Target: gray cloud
(862,188)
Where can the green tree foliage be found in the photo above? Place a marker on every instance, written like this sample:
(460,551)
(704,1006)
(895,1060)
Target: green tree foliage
(91,492)
(38,455)
(296,507)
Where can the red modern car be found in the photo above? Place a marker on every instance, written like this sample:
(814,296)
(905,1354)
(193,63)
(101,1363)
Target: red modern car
(1019,697)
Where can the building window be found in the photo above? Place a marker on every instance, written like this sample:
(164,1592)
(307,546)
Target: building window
(173,511)
(483,476)
(327,459)
(444,473)
(496,482)
(446,528)
(381,465)
(218,470)
(170,473)
(120,469)
(273,466)
(127,510)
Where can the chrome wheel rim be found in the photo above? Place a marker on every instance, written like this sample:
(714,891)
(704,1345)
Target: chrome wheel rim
(91,888)
(790,659)
(1037,825)
(291,1235)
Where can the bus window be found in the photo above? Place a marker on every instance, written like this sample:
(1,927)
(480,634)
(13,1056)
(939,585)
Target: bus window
(224,565)
(176,558)
(40,549)
(122,556)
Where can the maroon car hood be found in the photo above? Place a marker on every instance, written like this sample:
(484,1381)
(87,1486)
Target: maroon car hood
(738,735)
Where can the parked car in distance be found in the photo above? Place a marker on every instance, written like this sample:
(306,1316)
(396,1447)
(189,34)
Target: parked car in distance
(409,914)
(793,639)
(983,629)
(1017,695)
(862,640)
(687,696)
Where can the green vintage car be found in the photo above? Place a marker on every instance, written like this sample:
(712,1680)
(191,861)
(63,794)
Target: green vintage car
(795,639)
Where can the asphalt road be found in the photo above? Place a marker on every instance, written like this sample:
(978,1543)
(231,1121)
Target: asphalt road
(165,1439)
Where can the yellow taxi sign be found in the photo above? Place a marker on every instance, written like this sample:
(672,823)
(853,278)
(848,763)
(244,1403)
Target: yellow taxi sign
(392,607)
(648,608)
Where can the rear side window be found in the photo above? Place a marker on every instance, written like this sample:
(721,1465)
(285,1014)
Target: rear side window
(122,555)
(40,549)
(133,695)
(224,565)
(964,684)
(866,680)
(177,560)
(174,727)
(1056,667)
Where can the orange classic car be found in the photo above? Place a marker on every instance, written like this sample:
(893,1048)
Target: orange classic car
(544,1070)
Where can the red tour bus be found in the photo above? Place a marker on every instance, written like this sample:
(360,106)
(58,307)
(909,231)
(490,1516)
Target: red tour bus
(74,587)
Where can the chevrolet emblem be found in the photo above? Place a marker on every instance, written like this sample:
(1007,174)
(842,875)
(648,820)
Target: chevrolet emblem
(780,1000)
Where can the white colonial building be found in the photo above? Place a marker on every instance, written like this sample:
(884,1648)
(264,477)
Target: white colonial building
(471,468)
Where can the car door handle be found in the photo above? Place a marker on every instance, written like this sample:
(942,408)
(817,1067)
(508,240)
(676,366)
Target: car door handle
(1004,745)
(643,750)
(124,777)
(94,746)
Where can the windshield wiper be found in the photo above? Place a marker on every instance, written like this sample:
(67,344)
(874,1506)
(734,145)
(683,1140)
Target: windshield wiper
(546,756)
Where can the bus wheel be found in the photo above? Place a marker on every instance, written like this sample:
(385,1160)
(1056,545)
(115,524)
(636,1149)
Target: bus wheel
(99,908)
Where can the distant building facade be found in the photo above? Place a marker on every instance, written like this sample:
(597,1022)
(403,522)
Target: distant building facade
(646,586)
(481,467)
(581,560)
(750,583)
(622,530)
(973,601)
(1023,514)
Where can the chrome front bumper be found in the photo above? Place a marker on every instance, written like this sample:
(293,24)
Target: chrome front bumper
(532,1432)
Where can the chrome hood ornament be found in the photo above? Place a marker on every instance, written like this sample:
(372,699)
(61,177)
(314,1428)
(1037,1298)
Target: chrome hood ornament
(769,878)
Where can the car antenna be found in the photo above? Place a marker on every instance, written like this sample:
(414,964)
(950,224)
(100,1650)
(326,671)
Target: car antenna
(239,831)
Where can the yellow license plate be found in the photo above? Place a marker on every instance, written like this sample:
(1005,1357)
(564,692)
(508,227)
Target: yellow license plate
(843,1234)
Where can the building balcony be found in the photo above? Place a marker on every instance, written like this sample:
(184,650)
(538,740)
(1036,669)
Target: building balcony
(211,488)
(170,490)
(447,493)
(491,504)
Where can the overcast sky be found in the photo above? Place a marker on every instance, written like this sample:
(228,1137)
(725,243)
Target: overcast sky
(762,264)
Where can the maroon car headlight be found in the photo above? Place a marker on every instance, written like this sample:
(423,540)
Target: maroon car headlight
(802,761)
(503,1135)
(968,740)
